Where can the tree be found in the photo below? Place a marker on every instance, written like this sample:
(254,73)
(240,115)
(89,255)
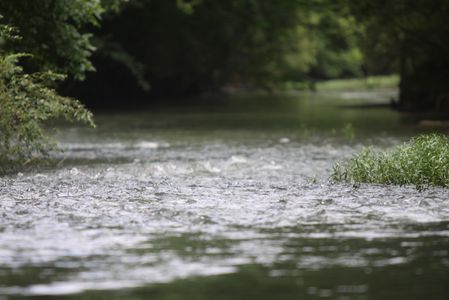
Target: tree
(182,48)
(324,43)
(413,35)
(39,40)
(188,47)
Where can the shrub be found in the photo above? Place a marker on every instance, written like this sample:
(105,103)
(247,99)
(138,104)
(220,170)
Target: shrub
(26,101)
(423,162)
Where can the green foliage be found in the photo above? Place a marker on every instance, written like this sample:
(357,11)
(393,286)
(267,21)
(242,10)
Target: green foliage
(114,51)
(410,37)
(423,162)
(189,47)
(326,44)
(26,100)
(183,47)
(52,42)
(53,31)
(187,6)
(403,28)
(371,82)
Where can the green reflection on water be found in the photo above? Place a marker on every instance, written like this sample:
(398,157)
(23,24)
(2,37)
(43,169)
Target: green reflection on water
(348,268)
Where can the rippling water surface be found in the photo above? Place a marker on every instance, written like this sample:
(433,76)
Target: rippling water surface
(222,202)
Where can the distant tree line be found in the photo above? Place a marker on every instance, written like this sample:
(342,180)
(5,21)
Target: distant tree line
(157,48)
(146,49)
(180,48)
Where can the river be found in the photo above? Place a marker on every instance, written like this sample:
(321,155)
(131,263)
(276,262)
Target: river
(225,199)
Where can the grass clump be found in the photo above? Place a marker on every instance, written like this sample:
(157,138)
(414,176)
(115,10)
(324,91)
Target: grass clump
(423,162)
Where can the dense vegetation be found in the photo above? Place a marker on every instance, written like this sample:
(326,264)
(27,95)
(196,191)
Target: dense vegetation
(40,43)
(413,37)
(146,49)
(187,50)
(423,162)
(27,100)
(180,48)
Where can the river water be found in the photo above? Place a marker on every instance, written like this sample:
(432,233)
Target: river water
(223,200)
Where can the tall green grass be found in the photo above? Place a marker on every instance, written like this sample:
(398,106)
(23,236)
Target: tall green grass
(423,162)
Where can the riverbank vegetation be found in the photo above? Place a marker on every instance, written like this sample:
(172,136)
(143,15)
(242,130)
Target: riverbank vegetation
(41,44)
(148,50)
(347,84)
(185,48)
(153,49)
(422,162)
(26,101)
(213,45)
(366,83)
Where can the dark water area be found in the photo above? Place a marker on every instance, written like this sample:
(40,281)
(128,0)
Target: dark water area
(224,201)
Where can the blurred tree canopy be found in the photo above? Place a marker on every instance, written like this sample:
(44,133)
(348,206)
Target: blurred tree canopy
(413,37)
(324,43)
(54,31)
(181,48)
(191,47)
(161,48)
